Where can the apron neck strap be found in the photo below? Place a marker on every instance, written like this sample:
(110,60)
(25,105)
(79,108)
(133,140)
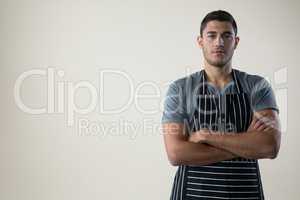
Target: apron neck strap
(203,80)
(236,81)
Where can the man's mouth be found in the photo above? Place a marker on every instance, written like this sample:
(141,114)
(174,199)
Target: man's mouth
(219,51)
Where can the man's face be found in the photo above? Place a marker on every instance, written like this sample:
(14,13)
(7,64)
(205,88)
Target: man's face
(218,42)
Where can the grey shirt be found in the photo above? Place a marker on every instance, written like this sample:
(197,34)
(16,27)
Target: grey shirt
(180,102)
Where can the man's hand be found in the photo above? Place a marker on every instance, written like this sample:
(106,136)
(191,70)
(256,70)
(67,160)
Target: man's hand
(261,123)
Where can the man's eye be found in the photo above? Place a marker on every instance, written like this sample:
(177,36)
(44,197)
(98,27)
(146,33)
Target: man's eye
(228,36)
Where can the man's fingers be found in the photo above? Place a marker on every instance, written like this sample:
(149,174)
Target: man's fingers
(269,125)
(259,125)
(251,126)
(263,123)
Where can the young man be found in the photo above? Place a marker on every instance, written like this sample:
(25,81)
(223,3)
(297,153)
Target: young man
(219,121)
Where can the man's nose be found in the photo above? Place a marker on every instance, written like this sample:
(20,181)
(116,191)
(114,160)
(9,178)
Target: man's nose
(219,41)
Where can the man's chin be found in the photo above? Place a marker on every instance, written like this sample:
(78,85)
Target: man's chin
(218,64)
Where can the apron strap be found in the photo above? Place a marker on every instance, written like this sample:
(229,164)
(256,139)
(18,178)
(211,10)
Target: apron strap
(203,79)
(236,81)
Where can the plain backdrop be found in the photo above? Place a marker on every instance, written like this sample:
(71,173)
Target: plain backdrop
(143,45)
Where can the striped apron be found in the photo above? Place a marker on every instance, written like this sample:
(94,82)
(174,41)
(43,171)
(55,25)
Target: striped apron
(237,178)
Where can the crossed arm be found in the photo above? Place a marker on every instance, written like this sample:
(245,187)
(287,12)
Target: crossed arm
(262,140)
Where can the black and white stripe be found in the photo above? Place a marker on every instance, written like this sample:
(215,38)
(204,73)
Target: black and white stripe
(237,178)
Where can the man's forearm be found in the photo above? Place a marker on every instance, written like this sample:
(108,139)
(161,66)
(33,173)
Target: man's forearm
(252,145)
(189,153)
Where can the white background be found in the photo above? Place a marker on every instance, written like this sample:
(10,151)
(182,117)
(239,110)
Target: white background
(42,158)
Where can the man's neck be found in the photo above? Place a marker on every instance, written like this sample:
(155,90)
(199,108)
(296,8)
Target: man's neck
(218,76)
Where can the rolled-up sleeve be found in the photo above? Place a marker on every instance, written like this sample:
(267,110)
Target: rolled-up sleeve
(173,110)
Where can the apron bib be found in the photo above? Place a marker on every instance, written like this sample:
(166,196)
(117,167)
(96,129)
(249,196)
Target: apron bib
(237,178)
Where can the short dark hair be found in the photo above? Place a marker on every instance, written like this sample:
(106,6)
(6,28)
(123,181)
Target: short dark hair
(219,15)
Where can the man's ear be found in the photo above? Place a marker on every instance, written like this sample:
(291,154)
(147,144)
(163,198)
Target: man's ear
(237,40)
(200,41)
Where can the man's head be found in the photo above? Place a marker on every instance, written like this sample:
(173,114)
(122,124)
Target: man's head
(218,38)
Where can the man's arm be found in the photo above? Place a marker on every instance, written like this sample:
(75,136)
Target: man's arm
(256,143)
(181,151)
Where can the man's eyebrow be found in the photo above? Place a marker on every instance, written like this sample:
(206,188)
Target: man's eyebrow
(214,32)
(228,32)
(211,32)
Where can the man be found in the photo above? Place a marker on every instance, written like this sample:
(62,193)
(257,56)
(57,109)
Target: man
(219,121)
